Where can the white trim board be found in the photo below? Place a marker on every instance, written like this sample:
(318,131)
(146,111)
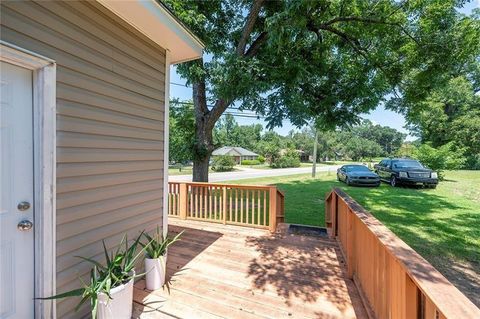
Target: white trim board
(156,22)
(166,139)
(44,150)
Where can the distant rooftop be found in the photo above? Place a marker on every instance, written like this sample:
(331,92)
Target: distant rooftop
(240,150)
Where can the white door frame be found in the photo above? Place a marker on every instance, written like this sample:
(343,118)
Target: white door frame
(44,159)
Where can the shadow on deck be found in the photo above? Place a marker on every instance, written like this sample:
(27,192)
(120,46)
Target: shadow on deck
(219,271)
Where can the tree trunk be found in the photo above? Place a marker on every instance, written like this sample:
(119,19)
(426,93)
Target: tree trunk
(203,146)
(200,170)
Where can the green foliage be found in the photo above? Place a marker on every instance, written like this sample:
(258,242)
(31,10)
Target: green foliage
(289,158)
(157,246)
(250,162)
(330,61)
(450,114)
(227,132)
(182,132)
(445,157)
(406,150)
(382,141)
(261,159)
(358,148)
(389,139)
(223,163)
(117,270)
(347,144)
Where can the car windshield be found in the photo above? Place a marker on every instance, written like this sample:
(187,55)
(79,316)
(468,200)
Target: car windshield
(406,164)
(356,168)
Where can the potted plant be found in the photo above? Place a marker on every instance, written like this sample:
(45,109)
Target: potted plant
(156,258)
(110,289)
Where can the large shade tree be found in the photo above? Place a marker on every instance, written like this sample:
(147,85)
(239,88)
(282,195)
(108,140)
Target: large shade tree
(303,59)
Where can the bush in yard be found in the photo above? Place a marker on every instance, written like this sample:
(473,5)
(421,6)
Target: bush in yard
(250,162)
(261,159)
(473,162)
(289,159)
(445,157)
(223,163)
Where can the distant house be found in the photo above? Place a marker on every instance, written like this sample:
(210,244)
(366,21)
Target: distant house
(304,157)
(239,154)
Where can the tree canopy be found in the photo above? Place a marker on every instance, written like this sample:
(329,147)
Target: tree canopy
(182,134)
(329,60)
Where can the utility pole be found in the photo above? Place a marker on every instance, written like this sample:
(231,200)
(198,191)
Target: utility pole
(315,143)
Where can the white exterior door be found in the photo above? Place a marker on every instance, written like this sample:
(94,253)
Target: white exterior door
(16,199)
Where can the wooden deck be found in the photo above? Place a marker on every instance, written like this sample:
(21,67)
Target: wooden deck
(219,271)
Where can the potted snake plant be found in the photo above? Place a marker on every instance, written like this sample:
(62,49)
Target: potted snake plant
(156,258)
(110,289)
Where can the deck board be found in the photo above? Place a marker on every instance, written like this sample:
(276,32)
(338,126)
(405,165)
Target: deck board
(219,271)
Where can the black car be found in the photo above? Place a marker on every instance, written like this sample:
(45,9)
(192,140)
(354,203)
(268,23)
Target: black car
(406,171)
(357,175)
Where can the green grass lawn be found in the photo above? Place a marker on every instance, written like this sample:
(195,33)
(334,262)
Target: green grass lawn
(176,171)
(442,224)
(186,170)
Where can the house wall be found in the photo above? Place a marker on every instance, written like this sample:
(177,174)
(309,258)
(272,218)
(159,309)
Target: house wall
(110,112)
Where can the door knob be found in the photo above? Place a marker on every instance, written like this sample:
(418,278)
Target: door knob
(23,206)
(25,225)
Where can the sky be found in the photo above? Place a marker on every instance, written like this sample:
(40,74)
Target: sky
(380,115)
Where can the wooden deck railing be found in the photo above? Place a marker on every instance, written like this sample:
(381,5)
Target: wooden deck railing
(246,205)
(393,279)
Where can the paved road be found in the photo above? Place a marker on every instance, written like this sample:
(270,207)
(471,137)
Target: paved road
(255,173)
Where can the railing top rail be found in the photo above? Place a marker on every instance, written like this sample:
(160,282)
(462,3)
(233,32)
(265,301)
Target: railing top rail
(447,298)
(229,185)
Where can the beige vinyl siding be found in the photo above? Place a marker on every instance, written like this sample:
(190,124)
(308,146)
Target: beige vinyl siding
(110,124)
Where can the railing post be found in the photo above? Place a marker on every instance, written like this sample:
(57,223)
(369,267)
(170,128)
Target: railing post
(224,204)
(333,214)
(183,203)
(272,225)
(281,211)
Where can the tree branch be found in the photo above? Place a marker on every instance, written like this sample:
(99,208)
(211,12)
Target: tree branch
(372,21)
(355,45)
(256,44)
(248,28)
(220,106)
(357,19)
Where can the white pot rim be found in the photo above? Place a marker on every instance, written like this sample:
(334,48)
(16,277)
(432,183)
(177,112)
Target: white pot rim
(162,256)
(119,287)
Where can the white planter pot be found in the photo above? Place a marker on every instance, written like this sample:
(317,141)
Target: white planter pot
(156,270)
(120,306)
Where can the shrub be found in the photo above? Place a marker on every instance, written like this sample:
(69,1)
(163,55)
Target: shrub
(473,162)
(439,159)
(289,159)
(223,163)
(250,162)
(261,159)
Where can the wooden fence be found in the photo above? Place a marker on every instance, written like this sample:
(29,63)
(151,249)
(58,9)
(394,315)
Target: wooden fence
(246,205)
(393,279)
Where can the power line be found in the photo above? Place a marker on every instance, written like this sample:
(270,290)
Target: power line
(208,105)
(244,115)
(180,84)
(235,114)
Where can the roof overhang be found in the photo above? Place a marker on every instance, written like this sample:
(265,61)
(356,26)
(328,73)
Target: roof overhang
(156,22)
